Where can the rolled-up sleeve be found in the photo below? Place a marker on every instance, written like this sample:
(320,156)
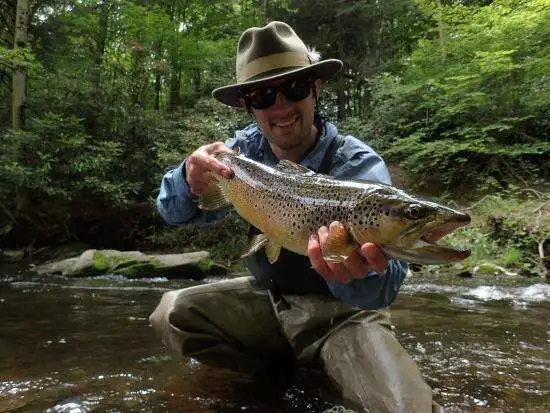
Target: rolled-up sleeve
(175,202)
(374,291)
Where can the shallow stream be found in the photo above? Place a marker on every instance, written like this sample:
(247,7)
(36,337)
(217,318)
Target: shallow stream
(86,345)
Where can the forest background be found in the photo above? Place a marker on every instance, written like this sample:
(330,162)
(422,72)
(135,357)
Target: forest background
(99,98)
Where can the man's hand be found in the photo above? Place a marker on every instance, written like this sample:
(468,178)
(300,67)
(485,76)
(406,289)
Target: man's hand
(200,165)
(366,258)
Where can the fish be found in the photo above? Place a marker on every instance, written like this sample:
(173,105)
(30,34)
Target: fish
(289,202)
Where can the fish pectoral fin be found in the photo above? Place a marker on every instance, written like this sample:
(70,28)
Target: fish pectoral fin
(290,167)
(272,251)
(213,196)
(337,246)
(256,244)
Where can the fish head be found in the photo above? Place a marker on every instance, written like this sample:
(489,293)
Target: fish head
(407,228)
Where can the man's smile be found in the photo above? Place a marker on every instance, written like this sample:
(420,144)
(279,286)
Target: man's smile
(287,123)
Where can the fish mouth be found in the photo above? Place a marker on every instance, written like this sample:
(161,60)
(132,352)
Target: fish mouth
(432,236)
(427,250)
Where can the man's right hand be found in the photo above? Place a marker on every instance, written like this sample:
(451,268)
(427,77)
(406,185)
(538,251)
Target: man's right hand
(200,165)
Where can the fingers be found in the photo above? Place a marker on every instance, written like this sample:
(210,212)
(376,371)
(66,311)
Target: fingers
(315,254)
(357,264)
(200,166)
(375,257)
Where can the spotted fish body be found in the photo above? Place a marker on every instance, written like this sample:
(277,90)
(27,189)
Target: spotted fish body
(288,203)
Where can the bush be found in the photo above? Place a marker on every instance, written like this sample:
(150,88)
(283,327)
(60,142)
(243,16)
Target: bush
(469,111)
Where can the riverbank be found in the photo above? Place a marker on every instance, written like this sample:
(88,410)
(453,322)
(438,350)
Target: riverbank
(505,238)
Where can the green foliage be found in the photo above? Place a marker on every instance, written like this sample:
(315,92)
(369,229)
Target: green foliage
(119,91)
(56,159)
(226,240)
(209,121)
(470,109)
(505,230)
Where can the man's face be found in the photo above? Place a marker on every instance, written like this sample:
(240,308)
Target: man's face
(288,123)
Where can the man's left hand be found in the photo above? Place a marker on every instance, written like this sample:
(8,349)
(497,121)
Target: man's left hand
(368,257)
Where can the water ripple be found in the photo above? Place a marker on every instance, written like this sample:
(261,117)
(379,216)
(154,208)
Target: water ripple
(518,295)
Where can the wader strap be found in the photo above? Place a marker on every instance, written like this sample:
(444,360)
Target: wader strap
(329,156)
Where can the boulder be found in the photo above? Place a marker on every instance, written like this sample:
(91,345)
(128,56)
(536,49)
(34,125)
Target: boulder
(133,264)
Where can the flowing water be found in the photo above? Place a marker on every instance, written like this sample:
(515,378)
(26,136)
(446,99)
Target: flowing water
(85,345)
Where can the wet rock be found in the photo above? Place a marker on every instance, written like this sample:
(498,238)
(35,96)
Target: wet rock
(544,254)
(488,268)
(465,274)
(132,264)
(12,255)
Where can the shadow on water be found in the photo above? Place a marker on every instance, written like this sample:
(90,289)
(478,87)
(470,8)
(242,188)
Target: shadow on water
(80,346)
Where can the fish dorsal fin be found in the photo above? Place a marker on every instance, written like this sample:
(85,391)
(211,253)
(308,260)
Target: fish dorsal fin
(237,151)
(293,168)
(213,196)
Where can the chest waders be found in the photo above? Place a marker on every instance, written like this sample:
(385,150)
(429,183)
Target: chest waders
(291,273)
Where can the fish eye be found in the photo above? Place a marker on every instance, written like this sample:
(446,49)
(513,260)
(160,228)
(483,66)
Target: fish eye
(414,211)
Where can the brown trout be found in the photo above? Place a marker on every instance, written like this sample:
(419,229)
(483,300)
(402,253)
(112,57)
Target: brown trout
(289,202)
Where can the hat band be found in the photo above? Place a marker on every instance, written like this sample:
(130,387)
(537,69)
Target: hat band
(272,62)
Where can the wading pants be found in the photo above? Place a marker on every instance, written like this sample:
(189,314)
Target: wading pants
(238,325)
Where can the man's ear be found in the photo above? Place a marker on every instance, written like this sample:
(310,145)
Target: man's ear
(242,101)
(318,83)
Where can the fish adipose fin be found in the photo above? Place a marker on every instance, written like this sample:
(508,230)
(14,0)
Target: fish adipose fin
(337,246)
(272,250)
(293,168)
(213,197)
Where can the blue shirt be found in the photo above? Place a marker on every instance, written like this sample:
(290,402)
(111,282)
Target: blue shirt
(353,160)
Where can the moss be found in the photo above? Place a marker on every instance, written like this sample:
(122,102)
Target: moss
(206,265)
(138,269)
(100,263)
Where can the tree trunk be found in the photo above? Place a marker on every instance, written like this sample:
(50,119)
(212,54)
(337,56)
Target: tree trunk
(19,77)
(341,96)
(99,52)
(197,82)
(158,83)
(139,79)
(264,12)
(158,76)
(175,95)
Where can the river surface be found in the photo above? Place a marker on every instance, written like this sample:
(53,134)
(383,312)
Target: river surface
(86,346)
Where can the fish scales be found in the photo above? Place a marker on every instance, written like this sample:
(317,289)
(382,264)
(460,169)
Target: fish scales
(286,207)
(288,203)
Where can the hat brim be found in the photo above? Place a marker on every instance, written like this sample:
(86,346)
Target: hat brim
(231,95)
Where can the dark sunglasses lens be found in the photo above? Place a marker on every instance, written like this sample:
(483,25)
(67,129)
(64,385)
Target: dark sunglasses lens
(294,90)
(263,98)
(297,90)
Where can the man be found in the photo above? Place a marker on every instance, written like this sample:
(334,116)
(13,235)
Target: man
(318,313)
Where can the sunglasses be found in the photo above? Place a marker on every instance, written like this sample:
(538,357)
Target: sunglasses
(294,90)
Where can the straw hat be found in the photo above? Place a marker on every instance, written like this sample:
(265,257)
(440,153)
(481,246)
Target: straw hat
(268,53)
